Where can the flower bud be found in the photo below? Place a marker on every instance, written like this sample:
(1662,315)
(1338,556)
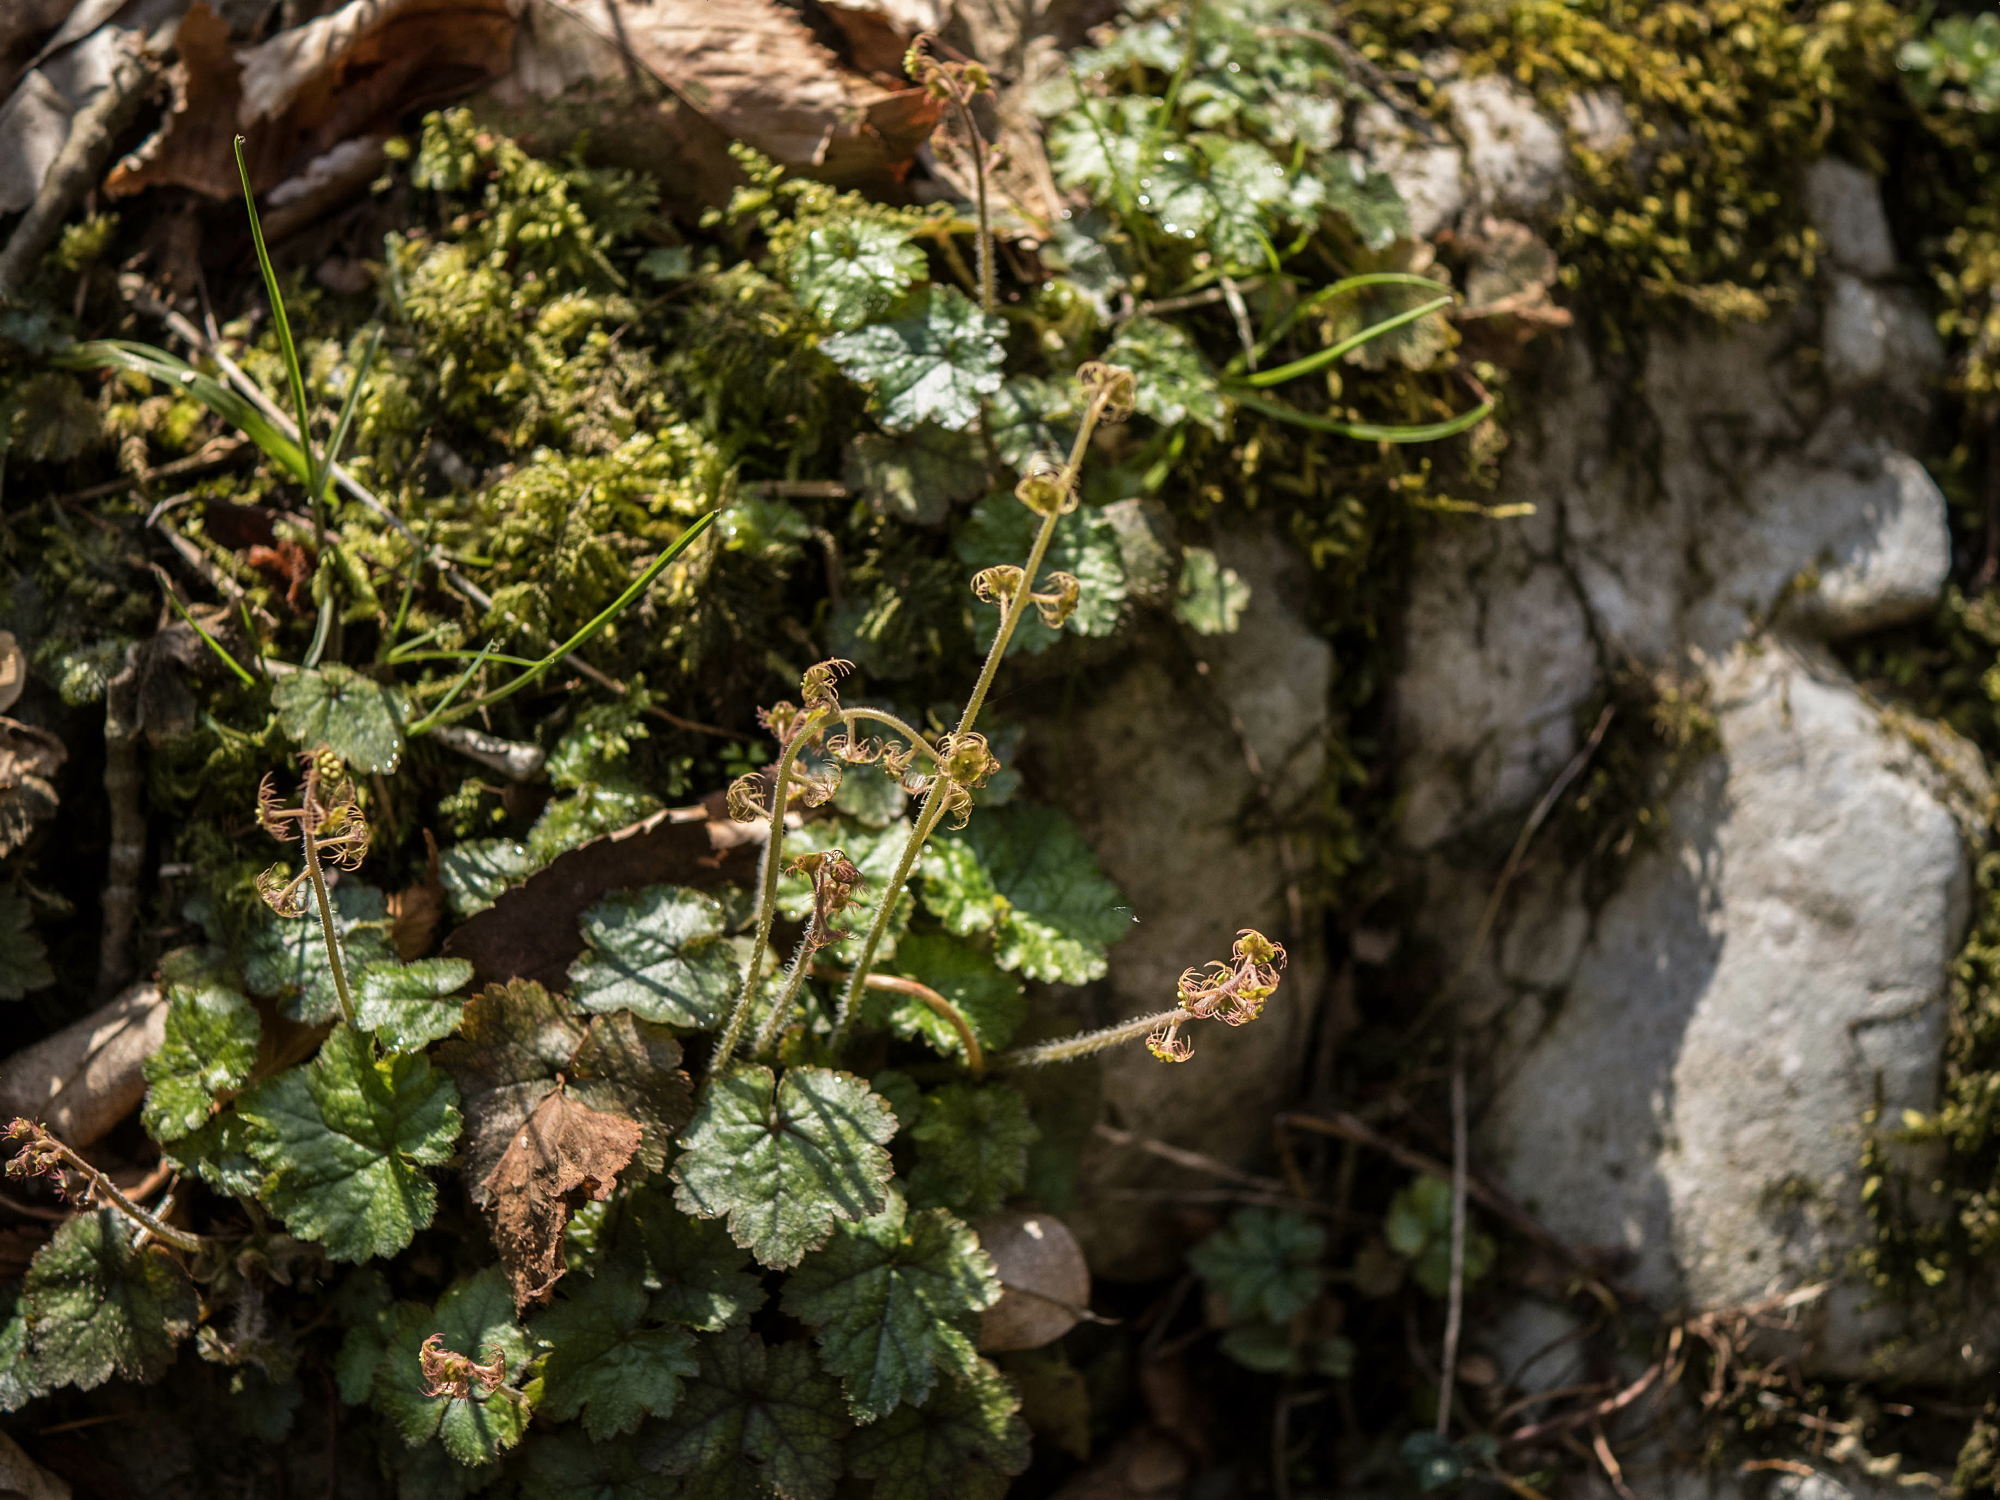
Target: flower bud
(1047,488)
(1113,386)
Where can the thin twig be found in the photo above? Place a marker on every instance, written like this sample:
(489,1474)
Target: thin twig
(1454,1317)
(1194,1161)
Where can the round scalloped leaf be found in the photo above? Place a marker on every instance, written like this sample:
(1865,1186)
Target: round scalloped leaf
(476,1318)
(1265,1263)
(972,1148)
(967,1442)
(932,364)
(852,269)
(407,1005)
(604,1364)
(337,707)
(209,1046)
(284,958)
(661,954)
(893,1300)
(94,1306)
(344,1141)
(784,1161)
(761,1420)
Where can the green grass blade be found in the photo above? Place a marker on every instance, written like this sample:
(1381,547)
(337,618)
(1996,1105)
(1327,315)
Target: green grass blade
(1367,432)
(1321,358)
(604,617)
(293,372)
(170,370)
(1341,288)
(338,442)
(242,674)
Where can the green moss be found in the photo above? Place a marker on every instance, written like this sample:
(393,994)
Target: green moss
(1699,208)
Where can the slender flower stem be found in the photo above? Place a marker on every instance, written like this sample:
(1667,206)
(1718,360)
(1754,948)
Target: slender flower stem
(932,812)
(986,297)
(850,716)
(767,895)
(1085,1043)
(103,1187)
(795,973)
(326,928)
(975,1055)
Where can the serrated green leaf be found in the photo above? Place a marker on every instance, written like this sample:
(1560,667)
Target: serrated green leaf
(1175,383)
(363,1306)
(660,953)
(1001,529)
(1264,1263)
(569,822)
(604,1364)
(1212,597)
(1024,874)
(407,1005)
(990,1001)
(852,269)
(1366,197)
(24,962)
(515,1039)
(933,363)
(967,1441)
(337,707)
(476,1318)
(917,477)
(344,1141)
(284,958)
(785,1160)
(696,1273)
(95,1307)
(17,1382)
(219,1154)
(475,872)
(972,1148)
(761,1420)
(570,1466)
(208,1047)
(1418,1227)
(893,1300)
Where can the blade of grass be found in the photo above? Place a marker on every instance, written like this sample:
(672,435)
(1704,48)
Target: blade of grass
(1366,431)
(293,373)
(604,617)
(1341,288)
(1321,358)
(169,370)
(207,640)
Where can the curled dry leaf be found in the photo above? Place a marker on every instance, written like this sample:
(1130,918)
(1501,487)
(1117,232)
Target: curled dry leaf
(1046,1280)
(29,758)
(565,1154)
(352,73)
(13,670)
(748,70)
(1507,298)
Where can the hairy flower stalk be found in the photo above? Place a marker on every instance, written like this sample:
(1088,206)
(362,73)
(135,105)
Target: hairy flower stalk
(1232,993)
(835,881)
(42,1155)
(329,825)
(1053,496)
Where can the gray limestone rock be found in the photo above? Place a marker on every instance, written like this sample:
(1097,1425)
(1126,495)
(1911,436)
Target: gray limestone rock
(1845,205)
(1516,158)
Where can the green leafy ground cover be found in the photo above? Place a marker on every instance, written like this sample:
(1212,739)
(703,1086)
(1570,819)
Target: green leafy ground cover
(551,382)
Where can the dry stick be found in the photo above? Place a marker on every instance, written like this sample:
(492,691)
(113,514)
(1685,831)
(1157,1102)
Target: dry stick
(93,135)
(1455,1307)
(1195,1161)
(125,860)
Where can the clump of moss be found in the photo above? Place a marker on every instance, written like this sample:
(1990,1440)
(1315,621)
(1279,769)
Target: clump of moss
(1698,206)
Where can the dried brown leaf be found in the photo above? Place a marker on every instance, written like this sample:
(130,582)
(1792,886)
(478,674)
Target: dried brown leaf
(517,1039)
(565,1154)
(13,670)
(353,72)
(29,758)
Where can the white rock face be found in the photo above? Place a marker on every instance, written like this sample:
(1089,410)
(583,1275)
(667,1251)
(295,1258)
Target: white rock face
(1846,207)
(1685,1061)
(1429,173)
(1517,159)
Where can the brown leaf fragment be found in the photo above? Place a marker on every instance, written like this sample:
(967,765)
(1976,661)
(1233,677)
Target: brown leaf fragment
(566,1154)
(13,670)
(29,759)
(1507,287)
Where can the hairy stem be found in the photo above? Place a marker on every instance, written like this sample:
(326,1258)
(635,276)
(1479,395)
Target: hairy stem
(851,716)
(985,247)
(767,890)
(103,1187)
(975,1055)
(326,928)
(933,808)
(1087,1042)
(795,973)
